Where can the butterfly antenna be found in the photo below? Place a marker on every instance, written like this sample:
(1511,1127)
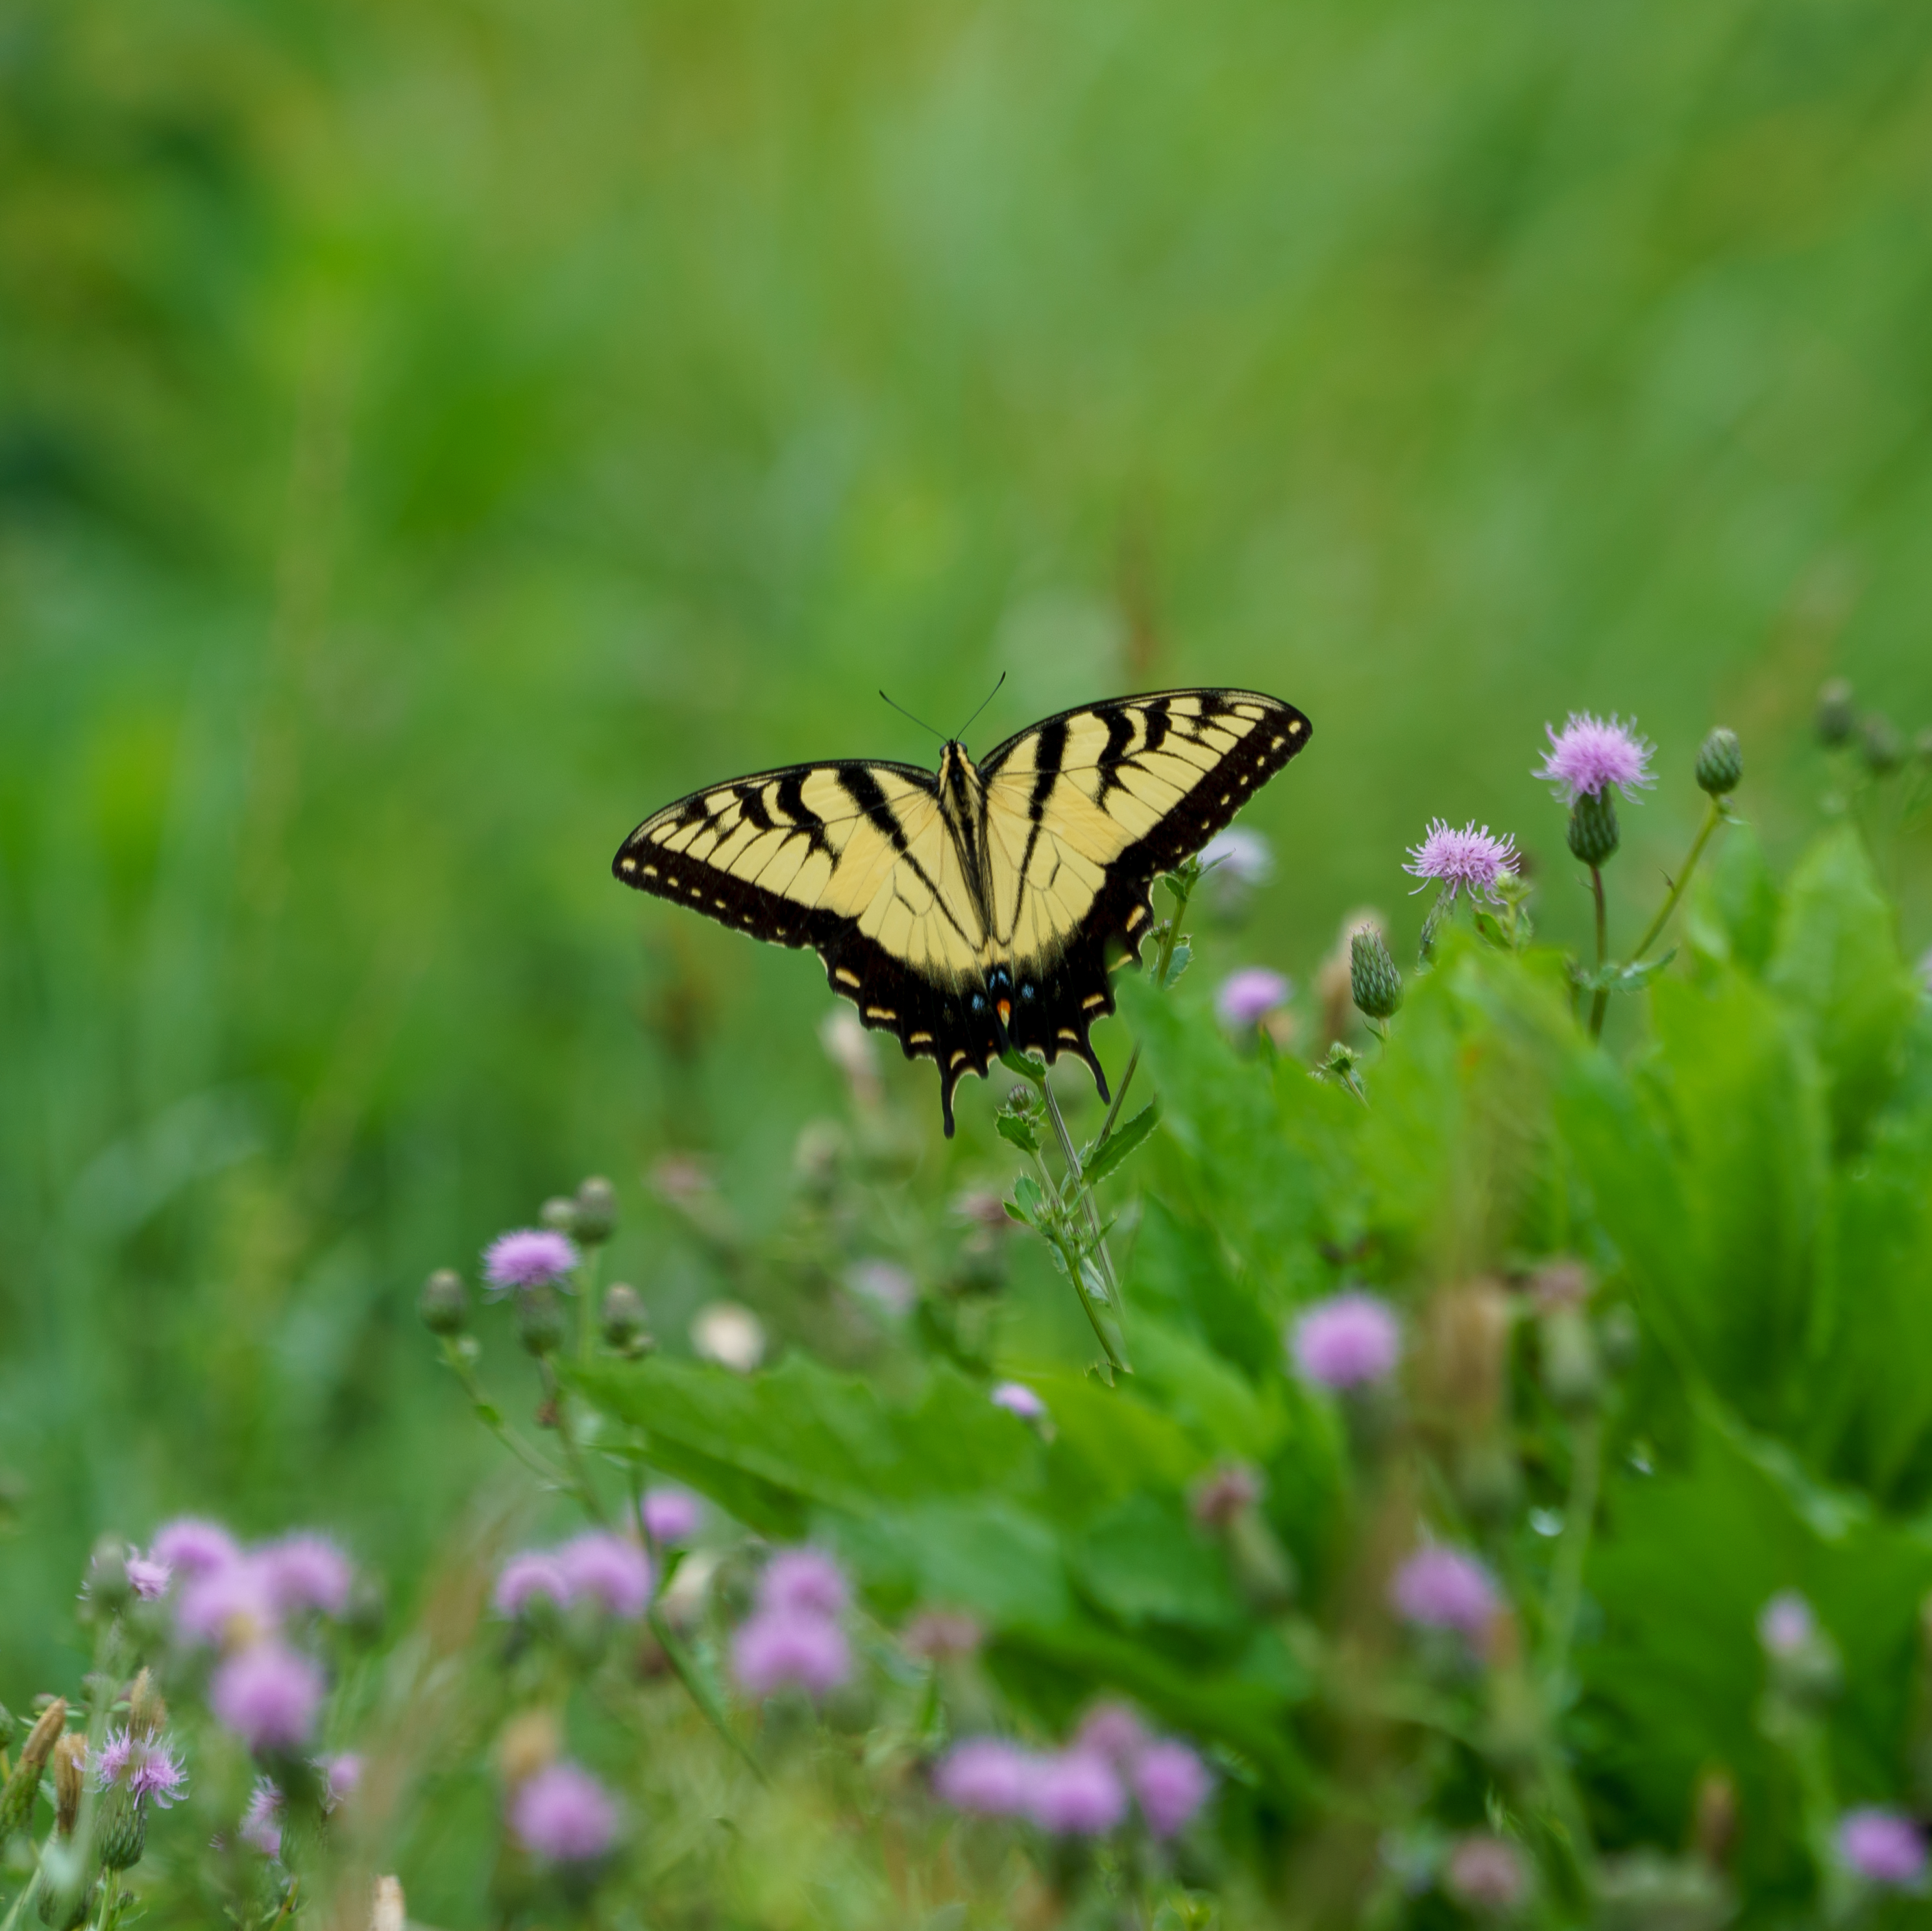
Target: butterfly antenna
(983,703)
(920,721)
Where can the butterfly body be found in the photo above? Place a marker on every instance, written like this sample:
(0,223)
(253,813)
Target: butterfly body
(974,908)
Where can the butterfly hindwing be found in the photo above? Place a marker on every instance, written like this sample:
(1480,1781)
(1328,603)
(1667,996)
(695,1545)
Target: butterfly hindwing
(854,860)
(1085,811)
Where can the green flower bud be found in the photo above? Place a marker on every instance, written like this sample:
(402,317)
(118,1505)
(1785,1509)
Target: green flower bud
(1593,835)
(107,1586)
(1571,1373)
(1620,1339)
(65,1903)
(1720,763)
(17,1794)
(69,1761)
(540,1319)
(1019,1098)
(123,1830)
(1373,977)
(626,1328)
(1836,719)
(596,1212)
(559,1212)
(1879,744)
(443,1304)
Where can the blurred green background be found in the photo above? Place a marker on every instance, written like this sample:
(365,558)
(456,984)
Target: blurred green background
(434,434)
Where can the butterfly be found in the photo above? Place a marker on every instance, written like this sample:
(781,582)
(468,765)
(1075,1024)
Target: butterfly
(974,908)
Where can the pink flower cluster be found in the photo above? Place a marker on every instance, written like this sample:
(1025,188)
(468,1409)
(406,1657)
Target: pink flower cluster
(265,1690)
(611,1572)
(533,1257)
(1112,1764)
(793,1639)
(1590,753)
(145,1766)
(1350,1338)
(562,1815)
(1442,1588)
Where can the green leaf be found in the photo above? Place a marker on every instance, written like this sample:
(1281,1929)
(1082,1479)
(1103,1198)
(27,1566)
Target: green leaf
(1142,1561)
(1838,961)
(1102,1160)
(1615,978)
(1030,1201)
(1735,906)
(1011,1126)
(1184,954)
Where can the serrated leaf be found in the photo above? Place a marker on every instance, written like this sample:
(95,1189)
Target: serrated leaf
(1615,978)
(1029,1070)
(1014,1213)
(1121,1142)
(1020,1132)
(1032,1200)
(1184,955)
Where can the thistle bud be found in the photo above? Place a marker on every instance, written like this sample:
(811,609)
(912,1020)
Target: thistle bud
(596,1212)
(1720,763)
(1593,835)
(559,1212)
(1835,719)
(1019,1098)
(1879,744)
(123,1830)
(17,1794)
(146,1713)
(540,1319)
(1372,977)
(66,1897)
(626,1329)
(107,1588)
(1620,1337)
(70,1767)
(1571,1374)
(443,1304)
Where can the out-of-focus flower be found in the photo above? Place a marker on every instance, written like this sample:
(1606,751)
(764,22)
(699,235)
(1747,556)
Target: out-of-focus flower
(193,1546)
(1883,1846)
(985,1210)
(988,1775)
(1468,860)
(1591,753)
(606,1570)
(884,1284)
(804,1582)
(306,1572)
(533,1257)
(1247,997)
(1113,1731)
(261,1822)
(147,1578)
(670,1515)
(268,1695)
(340,1774)
(1170,1784)
(775,1649)
(1785,1624)
(1349,1339)
(1232,1489)
(936,1634)
(680,1179)
(1487,1873)
(1442,1588)
(1076,1793)
(533,1573)
(731,1336)
(563,1816)
(1239,854)
(231,1604)
(149,1770)
(1017,1398)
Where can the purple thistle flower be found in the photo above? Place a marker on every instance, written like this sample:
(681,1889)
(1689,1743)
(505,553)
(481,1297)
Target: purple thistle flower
(563,1816)
(1171,1783)
(268,1695)
(1785,1624)
(233,1605)
(535,1572)
(1113,1731)
(1247,997)
(986,1774)
(147,1578)
(1348,1339)
(1589,753)
(149,1769)
(1486,1873)
(670,1515)
(776,1648)
(1241,856)
(883,1285)
(1443,1589)
(1077,1794)
(608,1570)
(1883,1846)
(305,1572)
(193,1546)
(936,1634)
(1017,1398)
(340,1775)
(1466,861)
(259,1825)
(1229,1493)
(803,1582)
(533,1257)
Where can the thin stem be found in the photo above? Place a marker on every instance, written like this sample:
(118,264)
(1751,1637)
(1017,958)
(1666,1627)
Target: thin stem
(281,1917)
(1566,1586)
(1069,1258)
(1713,817)
(1600,1002)
(699,1690)
(487,1414)
(1163,961)
(1082,1192)
(28,1892)
(579,1470)
(586,1310)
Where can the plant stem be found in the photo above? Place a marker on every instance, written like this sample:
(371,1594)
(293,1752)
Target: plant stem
(579,1470)
(1163,961)
(486,1413)
(699,1690)
(586,1308)
(28,1892)
(1600,1002)
(1082,1192)
(1713,817)
(1566,1587)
